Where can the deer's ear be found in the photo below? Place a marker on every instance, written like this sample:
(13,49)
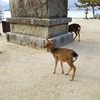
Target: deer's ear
(51,41)
(47,39)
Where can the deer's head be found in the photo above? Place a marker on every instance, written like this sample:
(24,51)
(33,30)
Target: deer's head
(49,44)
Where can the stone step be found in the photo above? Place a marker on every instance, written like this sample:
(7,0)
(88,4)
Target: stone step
(37,42)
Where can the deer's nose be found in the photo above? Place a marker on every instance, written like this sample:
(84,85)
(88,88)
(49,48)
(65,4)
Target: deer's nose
(44,46)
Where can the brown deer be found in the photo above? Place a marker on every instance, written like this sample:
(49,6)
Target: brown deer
(62,55)
(76,29)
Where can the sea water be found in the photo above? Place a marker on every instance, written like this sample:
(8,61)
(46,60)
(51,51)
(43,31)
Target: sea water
(81,14)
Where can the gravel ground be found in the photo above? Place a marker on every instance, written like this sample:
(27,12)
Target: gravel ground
(27,73)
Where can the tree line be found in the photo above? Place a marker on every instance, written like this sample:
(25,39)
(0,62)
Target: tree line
(89,3)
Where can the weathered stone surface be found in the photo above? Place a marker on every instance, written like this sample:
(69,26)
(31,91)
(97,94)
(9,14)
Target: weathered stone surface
(57,8)
(38,31)
(57,30)
(38,8)
(37,42)
(41,22)
(62,40)
(44,28)
(30,41)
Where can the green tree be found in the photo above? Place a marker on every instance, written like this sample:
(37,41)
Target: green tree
(97,2)
(88,3)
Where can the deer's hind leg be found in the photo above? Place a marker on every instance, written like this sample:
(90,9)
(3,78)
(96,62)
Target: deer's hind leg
(69,70)
(70,63)
(75,35)
(74,70)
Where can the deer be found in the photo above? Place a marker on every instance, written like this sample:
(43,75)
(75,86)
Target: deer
(76,29)
(62,55)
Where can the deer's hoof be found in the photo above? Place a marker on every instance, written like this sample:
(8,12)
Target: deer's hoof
(72,79)
(53,72)
(66,73)
(62,72)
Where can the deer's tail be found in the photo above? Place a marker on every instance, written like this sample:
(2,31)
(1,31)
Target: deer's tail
(75,55)
(79,28)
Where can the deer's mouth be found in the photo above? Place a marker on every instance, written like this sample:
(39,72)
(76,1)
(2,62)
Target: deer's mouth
(45,46)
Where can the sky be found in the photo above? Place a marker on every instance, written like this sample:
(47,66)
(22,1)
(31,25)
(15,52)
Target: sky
(71,2)
(6,0)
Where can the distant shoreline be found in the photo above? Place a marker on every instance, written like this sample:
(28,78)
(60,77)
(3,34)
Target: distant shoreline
(81,14)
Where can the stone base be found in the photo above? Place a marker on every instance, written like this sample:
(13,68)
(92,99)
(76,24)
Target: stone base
(62,39)
(37,42)
(43,28)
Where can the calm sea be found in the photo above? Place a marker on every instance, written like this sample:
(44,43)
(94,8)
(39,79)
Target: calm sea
(73,14)
(81,14)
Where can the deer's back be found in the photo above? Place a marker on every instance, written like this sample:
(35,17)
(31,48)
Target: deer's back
(64,54)
(73,27)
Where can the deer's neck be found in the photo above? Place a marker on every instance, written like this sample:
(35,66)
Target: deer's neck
(52,49)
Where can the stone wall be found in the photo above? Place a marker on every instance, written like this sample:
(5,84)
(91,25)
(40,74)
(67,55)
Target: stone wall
(38,8)
(32,21)
(44,28)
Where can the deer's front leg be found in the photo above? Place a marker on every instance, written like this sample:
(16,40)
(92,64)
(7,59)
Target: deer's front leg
(56,61)
(62,67)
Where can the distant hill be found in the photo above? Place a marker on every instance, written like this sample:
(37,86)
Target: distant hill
(4,5)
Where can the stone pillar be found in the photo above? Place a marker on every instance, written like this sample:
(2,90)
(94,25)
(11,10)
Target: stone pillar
(32,21)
